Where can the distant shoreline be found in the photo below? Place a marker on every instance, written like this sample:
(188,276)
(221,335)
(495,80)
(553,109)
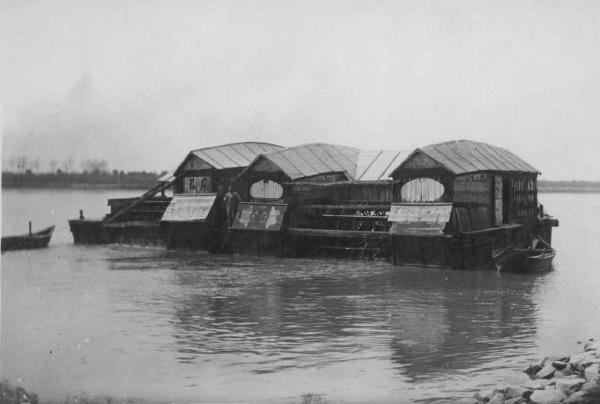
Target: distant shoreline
(141,180)
(81,187)
(569,191)
(587,187)
(86,180)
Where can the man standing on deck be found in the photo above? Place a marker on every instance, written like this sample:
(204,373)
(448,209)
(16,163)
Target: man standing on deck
(232,200)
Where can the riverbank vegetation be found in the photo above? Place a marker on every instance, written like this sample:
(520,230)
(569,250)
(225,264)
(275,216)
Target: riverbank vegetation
(94,173)
(81,180)
(568,186)
(24,172)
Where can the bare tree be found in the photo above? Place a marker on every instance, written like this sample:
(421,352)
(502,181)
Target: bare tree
(95,166)
(84,165)
(102,166)
(68,164)
(35,165)
(12,164)
(22,164)
(53,165)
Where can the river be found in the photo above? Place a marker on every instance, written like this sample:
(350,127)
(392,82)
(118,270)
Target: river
(132,322)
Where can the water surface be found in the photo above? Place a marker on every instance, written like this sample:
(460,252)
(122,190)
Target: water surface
(156,325)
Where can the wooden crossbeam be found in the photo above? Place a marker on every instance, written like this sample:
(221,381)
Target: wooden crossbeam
(149,194)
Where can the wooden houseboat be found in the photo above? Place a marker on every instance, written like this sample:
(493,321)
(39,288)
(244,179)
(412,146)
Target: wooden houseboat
(316,200)
(458,204)
(191,218)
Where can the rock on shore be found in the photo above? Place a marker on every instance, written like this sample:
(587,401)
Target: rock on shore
(10,394)
(573,378)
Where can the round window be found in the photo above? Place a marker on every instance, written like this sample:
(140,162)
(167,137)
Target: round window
(422,190)
(266,189)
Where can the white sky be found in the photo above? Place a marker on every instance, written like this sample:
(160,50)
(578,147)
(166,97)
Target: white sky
(139,83)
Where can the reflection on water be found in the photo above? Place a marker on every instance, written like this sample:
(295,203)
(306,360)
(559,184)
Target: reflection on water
(422,320)
(477,319)
(125,321)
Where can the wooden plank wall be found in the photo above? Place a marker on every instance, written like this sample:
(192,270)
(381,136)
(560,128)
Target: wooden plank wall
(380,191)
(473,188)
(498,200)
(420,161)
(219,180)
(470,218)
(372,192)
(523,196)
(425,251)
(119,203)
(301,192)
(195,163)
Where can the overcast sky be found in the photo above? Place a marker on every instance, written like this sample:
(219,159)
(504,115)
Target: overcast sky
(139,83)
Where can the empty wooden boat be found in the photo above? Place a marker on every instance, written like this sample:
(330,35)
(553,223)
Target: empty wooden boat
(38,239)
(533,260)
(537,258)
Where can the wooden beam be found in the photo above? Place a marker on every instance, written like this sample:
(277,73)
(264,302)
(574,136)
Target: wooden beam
(336,233)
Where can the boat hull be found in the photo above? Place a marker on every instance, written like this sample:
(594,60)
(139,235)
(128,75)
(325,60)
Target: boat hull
(38,239)
(88,231)
(534,261)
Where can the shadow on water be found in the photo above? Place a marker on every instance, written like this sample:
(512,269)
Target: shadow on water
(270,315)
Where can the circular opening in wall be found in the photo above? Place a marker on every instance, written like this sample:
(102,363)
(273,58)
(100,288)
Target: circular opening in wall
(422,190)
(266,189)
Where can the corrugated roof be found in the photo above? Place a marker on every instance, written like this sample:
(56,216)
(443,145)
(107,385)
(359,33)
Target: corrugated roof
(467,156)
(320,158)
(232,155)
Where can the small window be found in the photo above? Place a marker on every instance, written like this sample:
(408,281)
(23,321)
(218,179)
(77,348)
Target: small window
(266,189)
(196,185)
(422,190)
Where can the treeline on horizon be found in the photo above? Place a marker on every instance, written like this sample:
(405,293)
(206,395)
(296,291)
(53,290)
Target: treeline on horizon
(568,186)
(23,172)
(146,179)
(86,179)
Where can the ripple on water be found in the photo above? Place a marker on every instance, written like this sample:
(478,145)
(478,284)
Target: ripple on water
(147,323)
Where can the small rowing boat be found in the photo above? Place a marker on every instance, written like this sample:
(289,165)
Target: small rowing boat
(38,239)
(537,258)
(533,260)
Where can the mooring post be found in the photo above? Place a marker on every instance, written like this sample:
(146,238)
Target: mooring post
(30,227)
(80,214)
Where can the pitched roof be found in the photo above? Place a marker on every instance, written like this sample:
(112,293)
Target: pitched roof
(467,156)
(378,164)
(312,159)
(232,155)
